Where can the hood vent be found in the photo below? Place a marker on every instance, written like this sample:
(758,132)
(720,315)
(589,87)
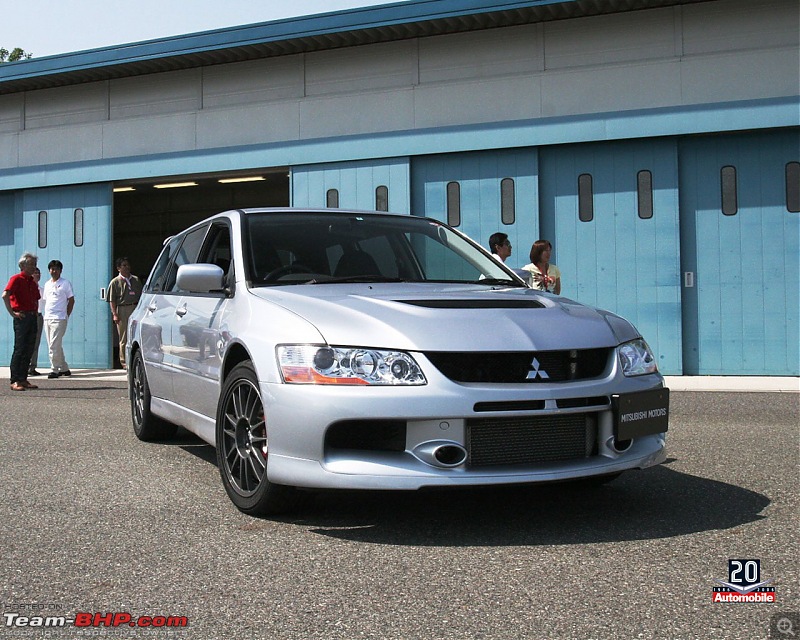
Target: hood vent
(475,304)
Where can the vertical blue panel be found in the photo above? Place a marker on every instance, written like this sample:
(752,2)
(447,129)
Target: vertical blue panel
(10,242)
(87,343)
(356,183)
(479,174)
(743,317)
(618,261)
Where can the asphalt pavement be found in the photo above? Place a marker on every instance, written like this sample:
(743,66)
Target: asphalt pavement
(92,521)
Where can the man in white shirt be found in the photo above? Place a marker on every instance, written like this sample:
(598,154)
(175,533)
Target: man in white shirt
(59,301)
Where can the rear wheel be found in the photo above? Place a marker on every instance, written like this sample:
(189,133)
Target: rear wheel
(146,426)
(243,447)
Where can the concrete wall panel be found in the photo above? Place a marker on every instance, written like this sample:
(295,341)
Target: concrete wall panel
(742,75)
(357,113)
(357,69)
(65,106)
(610,39)
(173,92)
(248,124)
(481,54)
(145,136)
(611,88)
(260,81)
(9,150)
(61,144)
(487,100)
(710,27)
(11,113)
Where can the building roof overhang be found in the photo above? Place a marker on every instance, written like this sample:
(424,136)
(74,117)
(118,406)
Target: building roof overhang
(353,27)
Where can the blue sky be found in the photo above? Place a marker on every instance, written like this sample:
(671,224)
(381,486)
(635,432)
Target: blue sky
(50,27)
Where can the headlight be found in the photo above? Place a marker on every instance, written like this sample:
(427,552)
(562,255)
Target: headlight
(636,358)
(314,364)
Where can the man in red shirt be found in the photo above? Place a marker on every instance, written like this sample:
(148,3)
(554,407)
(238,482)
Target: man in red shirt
(21,297)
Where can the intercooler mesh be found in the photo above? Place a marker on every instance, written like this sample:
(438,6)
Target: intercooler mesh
(529,440)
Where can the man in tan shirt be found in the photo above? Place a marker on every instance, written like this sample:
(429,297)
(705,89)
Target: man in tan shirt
(123,295)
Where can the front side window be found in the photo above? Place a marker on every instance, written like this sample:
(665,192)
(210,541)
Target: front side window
(187,254)
(158,275)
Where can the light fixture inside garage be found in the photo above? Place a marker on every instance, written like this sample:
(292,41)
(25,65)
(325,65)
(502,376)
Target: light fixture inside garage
(242,179)
(123,189)
(174,185)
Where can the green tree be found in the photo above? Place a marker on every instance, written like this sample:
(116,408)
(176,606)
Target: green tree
(15,54)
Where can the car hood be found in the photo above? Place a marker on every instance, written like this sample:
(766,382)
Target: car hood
(449,317)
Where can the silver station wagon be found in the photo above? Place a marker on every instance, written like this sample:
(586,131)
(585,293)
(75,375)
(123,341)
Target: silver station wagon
(359,350)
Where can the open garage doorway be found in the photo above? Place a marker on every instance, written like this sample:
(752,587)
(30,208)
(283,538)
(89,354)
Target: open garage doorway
(146,212)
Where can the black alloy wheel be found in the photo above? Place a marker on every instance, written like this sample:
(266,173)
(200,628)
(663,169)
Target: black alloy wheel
(243,446)
(146,426)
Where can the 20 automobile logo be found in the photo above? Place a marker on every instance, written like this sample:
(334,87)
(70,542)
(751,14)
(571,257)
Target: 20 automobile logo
(744,583)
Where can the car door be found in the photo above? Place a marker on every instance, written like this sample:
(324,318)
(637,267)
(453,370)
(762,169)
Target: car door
(164,312)
(158,308)
(199,330)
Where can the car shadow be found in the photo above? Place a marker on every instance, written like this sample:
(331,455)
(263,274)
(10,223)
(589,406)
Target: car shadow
(639,505)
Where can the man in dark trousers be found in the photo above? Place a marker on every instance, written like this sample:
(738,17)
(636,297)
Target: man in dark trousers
(21,297)
(123,295)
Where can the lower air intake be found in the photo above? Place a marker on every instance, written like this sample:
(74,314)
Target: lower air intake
(530,441)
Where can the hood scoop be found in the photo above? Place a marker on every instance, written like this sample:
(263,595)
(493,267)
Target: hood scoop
(475,304)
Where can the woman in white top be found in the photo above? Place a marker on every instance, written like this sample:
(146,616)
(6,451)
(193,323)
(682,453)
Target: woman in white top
(544,276)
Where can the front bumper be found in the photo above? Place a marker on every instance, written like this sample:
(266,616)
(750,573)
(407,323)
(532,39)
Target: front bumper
(299,416)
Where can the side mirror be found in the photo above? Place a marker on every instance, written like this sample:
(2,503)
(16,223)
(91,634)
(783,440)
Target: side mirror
(200,278)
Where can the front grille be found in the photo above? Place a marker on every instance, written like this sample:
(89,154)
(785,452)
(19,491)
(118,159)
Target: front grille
(530,440)
(527,366)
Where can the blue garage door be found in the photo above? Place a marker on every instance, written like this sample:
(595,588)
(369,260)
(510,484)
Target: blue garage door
(481,193)
(72,225)
(740,232)
(611,212)
(380,185)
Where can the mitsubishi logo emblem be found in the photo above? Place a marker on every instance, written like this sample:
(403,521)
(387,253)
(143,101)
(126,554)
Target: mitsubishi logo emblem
(536,371)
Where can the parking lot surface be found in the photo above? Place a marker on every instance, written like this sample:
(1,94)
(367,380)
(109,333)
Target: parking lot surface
(92,521)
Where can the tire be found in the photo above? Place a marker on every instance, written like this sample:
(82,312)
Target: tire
(146,426)
(243,449)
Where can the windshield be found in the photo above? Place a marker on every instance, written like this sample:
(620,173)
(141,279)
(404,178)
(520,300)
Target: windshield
(326,248)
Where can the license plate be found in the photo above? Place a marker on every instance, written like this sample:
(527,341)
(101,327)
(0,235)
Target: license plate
(640,414)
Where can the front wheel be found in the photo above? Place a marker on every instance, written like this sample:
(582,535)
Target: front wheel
(146,426)
(243,447)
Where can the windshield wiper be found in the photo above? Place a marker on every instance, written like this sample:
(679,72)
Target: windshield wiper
(496,281)
(362,278)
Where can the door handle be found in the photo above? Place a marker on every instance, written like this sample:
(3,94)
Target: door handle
(180,311)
